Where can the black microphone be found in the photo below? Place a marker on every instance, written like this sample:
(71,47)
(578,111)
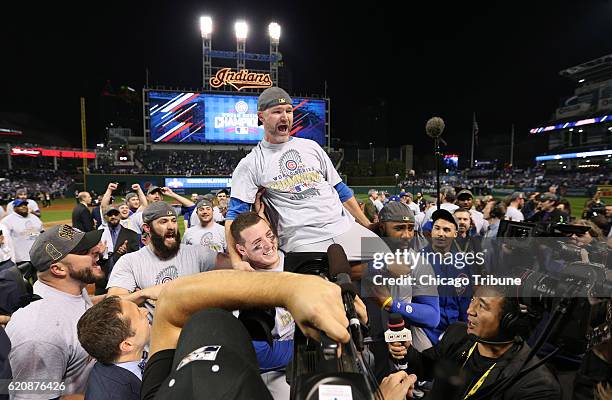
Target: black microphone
(434,127)
(397,332)
(340,271)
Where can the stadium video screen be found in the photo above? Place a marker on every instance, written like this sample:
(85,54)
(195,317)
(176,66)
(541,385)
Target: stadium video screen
(178,117)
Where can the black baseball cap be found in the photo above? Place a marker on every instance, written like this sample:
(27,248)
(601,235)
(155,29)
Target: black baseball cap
(445,215)
(214,359)
(465,194)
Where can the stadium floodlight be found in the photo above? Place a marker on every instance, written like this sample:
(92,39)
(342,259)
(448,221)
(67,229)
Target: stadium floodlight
(274,30)
(206,26)
(242,29)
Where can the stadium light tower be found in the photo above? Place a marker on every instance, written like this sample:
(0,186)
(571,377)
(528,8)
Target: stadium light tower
(274,30)
(242,29)
(206,31)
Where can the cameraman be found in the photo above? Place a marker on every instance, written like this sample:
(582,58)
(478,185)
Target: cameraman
(492,317)
(591,241)
(547,211)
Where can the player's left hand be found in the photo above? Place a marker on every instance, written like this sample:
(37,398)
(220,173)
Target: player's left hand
(360,309)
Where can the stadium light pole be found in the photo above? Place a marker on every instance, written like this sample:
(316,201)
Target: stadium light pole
(206,32)
(241,29)
(274,30)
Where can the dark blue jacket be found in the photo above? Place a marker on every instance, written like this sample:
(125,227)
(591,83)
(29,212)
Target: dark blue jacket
(110,382)
(454,302)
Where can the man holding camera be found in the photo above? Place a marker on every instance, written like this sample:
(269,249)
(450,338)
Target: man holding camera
(485,353)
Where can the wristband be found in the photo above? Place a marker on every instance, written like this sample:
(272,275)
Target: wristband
(387,302)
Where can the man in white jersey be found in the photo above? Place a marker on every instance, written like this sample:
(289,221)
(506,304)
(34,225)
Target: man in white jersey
(305,197)
(23,228)
(207,232)
(163,259)
(517,201)
(22,194)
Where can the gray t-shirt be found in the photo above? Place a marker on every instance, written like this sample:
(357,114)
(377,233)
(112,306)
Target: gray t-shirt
(45,345)
(143,269)
(212,237)
(300,197)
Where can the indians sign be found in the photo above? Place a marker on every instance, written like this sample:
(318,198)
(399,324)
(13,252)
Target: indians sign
(240,80)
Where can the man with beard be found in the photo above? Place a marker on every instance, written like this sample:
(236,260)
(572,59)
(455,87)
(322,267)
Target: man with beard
(305,197)
(207,233)
(22,194)
(417,303)
(23,227)
(465,199)
(119,241)
(163,259)
(43,334)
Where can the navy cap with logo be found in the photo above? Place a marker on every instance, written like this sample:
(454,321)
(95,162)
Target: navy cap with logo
(445,215)
(214,352)
(157,210)
(56,243)
(272,97)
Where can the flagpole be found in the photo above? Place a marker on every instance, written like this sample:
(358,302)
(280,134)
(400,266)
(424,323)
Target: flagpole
(512,147)
(473,128)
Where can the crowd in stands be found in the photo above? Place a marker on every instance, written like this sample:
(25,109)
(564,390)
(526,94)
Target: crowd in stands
(37,182)
(482,181)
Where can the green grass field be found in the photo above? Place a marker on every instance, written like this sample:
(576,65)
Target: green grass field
(64,212)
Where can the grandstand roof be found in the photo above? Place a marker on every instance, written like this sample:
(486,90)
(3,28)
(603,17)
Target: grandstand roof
(599,69)
(33,130)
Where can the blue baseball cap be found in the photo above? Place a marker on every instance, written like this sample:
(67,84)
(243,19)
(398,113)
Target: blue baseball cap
(20,202)
(394,198)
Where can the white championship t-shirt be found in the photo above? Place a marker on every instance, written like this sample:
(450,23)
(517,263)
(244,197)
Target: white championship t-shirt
(300,197)
(142,269)
(23,232)
(212,237)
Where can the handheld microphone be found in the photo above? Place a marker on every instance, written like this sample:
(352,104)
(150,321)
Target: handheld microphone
(340,270)
(397,332)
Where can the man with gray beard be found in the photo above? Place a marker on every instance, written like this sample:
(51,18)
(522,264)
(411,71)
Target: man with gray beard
(163,259)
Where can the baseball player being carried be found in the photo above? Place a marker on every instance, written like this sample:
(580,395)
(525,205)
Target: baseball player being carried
(305,198)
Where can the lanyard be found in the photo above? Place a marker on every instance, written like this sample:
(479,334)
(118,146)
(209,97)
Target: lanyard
(480,381)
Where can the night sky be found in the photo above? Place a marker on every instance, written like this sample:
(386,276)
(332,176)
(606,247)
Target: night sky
(388,67)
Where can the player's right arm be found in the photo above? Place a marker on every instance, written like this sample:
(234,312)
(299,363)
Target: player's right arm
(244,192)
(106,199)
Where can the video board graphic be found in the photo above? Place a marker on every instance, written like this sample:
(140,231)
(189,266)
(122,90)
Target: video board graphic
(188,117)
